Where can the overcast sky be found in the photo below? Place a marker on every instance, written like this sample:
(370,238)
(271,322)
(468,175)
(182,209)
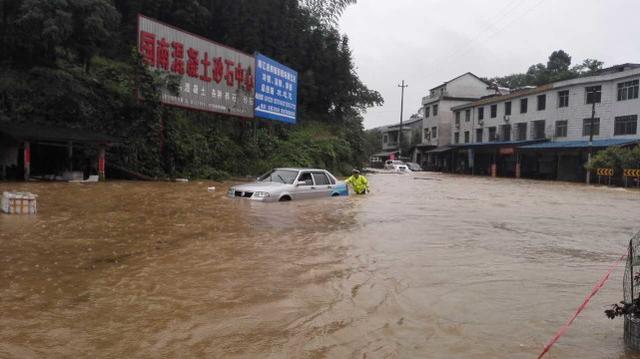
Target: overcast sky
(427,42)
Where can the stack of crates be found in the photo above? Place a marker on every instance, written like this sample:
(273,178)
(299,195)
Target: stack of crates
(19,203)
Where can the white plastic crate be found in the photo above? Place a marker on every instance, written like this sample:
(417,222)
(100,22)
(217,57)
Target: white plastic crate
(19,203)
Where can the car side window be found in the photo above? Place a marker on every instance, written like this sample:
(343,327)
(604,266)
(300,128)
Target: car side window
(320,178)
(305,179)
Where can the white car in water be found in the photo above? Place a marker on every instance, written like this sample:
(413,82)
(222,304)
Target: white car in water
(286,184)
(397,166)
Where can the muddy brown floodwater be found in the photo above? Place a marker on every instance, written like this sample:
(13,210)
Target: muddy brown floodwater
(435,267)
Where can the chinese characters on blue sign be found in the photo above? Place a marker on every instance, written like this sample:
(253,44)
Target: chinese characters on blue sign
(276,90)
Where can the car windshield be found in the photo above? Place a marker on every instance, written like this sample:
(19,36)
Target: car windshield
(282,176)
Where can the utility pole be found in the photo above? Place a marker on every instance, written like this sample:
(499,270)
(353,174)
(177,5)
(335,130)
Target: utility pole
(402,86)
(593,116)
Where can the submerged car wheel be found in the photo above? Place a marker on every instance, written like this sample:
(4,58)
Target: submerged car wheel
(284,199)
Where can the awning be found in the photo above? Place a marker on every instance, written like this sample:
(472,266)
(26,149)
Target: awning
(384,154)
(31,132)
(441,149)
(423,146)
(580,144)
(496,144)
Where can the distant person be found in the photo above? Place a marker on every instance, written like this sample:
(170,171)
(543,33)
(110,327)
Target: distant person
(359,184)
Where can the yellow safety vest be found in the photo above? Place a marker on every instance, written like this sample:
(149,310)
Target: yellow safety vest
(360,185)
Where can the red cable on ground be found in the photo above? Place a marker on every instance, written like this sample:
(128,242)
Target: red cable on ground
(594,291)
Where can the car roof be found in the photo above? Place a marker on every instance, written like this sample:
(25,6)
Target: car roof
(299,169)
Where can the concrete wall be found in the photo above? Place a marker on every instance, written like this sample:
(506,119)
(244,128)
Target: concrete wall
(468,86)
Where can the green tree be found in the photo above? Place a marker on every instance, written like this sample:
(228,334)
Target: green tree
(558,68)
(588,67)
(94,24)
(559,61)
(327,11)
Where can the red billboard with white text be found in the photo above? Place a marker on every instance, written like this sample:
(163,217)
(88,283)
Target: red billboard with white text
(213,77)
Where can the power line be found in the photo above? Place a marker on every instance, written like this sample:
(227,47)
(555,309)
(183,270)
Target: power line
(497,30)
(489,26)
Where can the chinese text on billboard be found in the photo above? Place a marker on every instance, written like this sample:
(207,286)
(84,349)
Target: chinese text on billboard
(213,77)
(276,90)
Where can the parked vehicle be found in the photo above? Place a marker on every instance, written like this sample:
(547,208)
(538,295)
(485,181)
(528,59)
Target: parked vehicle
(414,166)
(392,164)
(397,166)
(286,184)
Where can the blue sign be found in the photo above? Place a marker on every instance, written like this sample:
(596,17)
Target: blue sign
(276,90)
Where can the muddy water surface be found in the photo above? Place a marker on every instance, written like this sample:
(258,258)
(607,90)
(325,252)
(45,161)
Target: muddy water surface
(437,267)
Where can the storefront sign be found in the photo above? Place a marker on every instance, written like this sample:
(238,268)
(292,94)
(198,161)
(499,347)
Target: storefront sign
(507,150)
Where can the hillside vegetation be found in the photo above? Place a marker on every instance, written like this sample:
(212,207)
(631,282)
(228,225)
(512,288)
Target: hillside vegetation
(74,63)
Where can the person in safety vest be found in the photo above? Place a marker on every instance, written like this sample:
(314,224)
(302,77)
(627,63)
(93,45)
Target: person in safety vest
(359,184)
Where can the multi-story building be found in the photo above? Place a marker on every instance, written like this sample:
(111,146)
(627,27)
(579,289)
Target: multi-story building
(389,135)
(438,117)
(546,131)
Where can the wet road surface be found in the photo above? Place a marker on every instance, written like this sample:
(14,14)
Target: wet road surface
(427,265)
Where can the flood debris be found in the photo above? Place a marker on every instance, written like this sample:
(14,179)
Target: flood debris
(19,203)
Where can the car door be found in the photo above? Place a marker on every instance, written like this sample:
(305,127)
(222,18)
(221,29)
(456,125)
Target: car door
(322,184)
(304,186)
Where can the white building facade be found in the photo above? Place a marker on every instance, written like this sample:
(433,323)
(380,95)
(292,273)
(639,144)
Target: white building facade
(552,122)
(438,116)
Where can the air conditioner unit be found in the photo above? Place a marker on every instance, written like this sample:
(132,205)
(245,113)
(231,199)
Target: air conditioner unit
(480,122)
(506,118)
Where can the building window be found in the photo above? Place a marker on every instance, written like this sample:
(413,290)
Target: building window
(542,102)
(563,98)
(626,125)
(481,113)
(456,137)
(385,138)
(627,90)
(435,110)
(467,115)
(594,94)
(434,132)
(457,117)
(466,137)
(427,111)
(561,128)
(479,135)
(521,130)
(494,111)
(507,108)
(427,134)
(538,130)
(492,134)
(586,127)
(523,105)
(505,133)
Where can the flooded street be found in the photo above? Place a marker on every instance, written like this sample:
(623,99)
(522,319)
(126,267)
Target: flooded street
(428,265)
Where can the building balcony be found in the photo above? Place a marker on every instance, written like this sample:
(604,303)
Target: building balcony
(390,146)
(434,96)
